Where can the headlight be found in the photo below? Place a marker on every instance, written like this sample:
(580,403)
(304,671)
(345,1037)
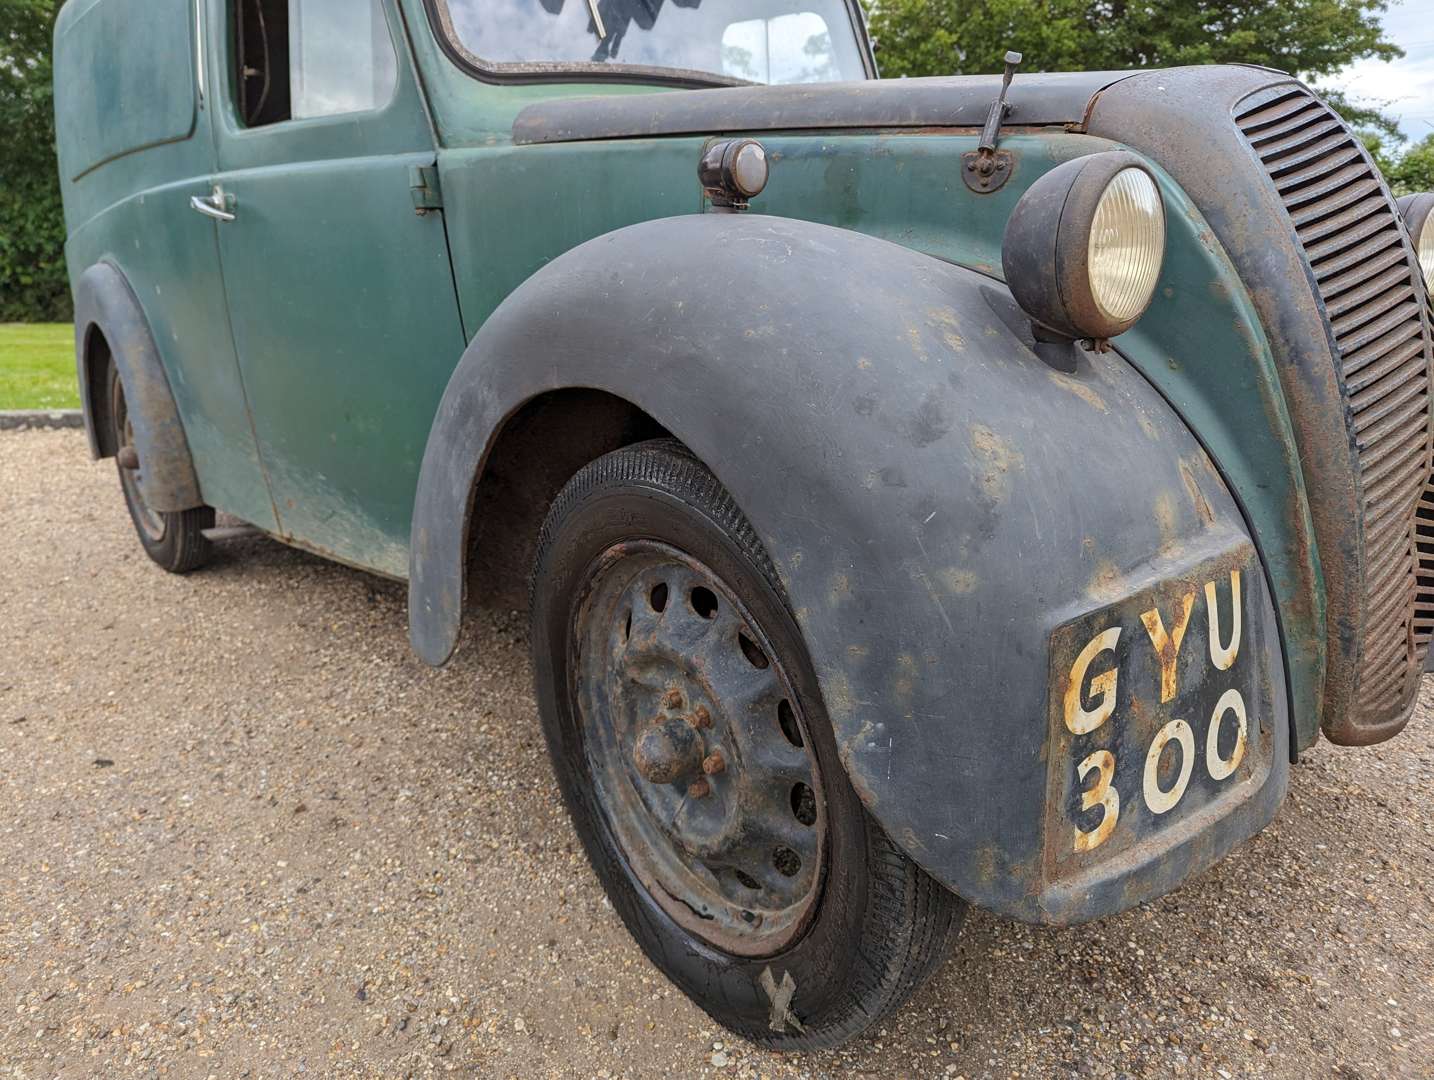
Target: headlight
(1084,246)
(1418,211)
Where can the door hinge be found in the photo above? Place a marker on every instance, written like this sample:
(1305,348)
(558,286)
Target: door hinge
(423,184)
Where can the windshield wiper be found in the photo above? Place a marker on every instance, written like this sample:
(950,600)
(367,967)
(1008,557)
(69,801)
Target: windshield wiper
(985,169)
(597,20)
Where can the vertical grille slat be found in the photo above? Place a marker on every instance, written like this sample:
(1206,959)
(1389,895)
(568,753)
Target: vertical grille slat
(1339,219)
(1351,191)
(1261,117)
(1298,137)
(1352,256)
(1350,279)
(1301,118)
(1330,185)
(1397,409)
(1287,182)
(1350,231)
(1347,226)
(1369,290)
(1354,333)
(1366,369)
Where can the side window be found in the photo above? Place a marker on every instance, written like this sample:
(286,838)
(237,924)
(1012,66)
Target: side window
(297,59)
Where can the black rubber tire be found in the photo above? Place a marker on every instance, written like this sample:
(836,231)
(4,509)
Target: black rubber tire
(881,925)
(181,545)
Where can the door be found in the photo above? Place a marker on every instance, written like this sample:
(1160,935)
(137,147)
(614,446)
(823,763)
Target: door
(340,290)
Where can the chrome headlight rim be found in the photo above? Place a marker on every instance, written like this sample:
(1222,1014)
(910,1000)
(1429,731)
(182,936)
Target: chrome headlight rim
(1049,242)
(1418,213)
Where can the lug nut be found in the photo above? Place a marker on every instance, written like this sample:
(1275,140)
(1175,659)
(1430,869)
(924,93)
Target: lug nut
(672,699)
(714,763)
(700,717)
(699,789)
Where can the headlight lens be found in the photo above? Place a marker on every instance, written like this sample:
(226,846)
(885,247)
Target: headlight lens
(1084,246)
(1418,212)
(1424,245)
(1127,245)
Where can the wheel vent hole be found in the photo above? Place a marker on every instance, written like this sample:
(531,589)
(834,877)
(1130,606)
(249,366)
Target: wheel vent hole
(755,656)
(787,861)
(804,804)
(788,720)
(627,626)
(747,880)
(704,602)
(658,597)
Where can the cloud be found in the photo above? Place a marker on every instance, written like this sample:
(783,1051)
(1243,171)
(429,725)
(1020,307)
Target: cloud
(1404,88)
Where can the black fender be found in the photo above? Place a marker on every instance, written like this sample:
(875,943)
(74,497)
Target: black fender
(105,304)
(936,500)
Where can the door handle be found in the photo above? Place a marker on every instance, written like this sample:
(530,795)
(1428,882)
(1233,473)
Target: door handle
(217,204)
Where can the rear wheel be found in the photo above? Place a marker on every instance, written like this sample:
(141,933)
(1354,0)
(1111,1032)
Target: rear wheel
(174,540)
(690,742)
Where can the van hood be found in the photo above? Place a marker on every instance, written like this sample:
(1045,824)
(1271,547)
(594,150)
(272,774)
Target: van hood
(1060,99)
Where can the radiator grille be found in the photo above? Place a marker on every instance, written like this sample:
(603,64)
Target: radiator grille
(1424,551)
(1354,243)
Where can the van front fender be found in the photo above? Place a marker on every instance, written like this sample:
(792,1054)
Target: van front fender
(950,517)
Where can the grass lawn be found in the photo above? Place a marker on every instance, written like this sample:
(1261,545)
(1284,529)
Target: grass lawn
(37,366)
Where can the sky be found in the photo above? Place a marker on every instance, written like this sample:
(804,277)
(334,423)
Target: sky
(1403,88)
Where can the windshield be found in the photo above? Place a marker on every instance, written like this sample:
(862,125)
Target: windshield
(762,41)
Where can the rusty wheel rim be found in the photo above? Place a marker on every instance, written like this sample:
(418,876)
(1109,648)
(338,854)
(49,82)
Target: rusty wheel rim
(697,748)
(149,522)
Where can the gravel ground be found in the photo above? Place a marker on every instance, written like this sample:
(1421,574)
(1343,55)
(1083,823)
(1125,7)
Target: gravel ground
(245,833)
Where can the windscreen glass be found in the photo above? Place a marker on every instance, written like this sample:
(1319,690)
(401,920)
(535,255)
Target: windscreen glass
(762,41)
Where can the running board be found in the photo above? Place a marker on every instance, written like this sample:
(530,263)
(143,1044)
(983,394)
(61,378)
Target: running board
(232,532)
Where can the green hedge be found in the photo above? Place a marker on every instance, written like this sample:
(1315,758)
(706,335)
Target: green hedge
(33,285)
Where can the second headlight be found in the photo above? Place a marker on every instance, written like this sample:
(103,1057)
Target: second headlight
(1418,211)
(1084,247)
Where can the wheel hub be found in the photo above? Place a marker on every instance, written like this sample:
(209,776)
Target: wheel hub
(668,751)
(130,472)
(695,744)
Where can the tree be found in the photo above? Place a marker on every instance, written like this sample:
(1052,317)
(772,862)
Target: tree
(1413,170)
(33,285)
(1309,37)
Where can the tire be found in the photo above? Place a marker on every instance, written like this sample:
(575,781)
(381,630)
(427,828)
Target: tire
(871,925)
(173,540)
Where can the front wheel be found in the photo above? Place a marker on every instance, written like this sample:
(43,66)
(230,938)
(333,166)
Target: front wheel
(690,742)
(174,540)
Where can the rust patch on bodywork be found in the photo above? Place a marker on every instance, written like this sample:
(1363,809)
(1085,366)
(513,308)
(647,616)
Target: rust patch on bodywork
(998,458)
(944,321)
(1105,583)
(960,581)
(1079,389)
(1166,520)
(1197,497)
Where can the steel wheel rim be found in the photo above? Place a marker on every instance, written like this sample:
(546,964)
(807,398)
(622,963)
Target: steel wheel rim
(663,685)
(150,523)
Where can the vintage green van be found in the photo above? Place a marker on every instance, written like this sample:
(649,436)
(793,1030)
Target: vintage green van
(926,492)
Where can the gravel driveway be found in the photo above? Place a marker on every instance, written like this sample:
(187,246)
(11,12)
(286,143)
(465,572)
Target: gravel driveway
(245,833)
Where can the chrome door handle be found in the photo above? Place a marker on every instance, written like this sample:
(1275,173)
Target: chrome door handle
(217,204)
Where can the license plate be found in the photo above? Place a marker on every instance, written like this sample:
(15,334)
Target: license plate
(1160,712)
